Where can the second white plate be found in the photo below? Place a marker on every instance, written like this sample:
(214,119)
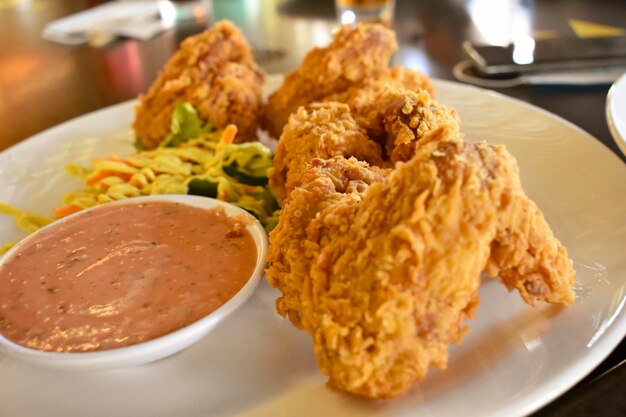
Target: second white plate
(616,112)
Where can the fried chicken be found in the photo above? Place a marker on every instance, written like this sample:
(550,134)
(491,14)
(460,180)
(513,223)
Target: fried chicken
(389,218)
(352,69)
(215,72)
(312,133)
(393,118)
(397,118)
(382,266)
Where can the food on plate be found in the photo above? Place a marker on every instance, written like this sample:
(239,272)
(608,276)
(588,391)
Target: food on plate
(215,72)
(386,131)
(189,161)
(352,69)
(193,159)
(122,274)
(319,130)
(389,218)
(389,215)
(24,219)
(381,266)
(189,132)
(397,118)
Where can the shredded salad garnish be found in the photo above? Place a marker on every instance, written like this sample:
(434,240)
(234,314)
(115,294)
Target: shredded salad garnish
(193,159)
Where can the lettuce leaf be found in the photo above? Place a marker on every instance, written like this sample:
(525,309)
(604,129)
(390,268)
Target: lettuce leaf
(185,125)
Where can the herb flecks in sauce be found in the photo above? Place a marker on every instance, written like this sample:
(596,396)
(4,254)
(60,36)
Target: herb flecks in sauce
(121,275)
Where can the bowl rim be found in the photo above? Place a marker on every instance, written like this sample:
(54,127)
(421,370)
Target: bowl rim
(172,342)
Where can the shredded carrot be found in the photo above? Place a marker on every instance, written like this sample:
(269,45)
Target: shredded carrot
(99,175)
(229,134)
(66,211)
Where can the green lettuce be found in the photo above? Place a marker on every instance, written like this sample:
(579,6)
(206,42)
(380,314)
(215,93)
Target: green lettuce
(185,125)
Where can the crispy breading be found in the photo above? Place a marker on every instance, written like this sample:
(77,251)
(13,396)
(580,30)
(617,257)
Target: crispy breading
(311,134)
(335,183)
(352,69)
(215,72)
(395,118)
(382,267)
(378,255)
(362,97)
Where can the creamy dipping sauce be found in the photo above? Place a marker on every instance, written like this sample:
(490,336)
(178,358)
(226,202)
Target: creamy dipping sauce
(122,274)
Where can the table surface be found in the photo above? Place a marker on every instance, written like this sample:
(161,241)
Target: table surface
(43,84)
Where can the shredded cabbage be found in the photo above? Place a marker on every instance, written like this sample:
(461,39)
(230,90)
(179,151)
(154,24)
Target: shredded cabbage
(191,159)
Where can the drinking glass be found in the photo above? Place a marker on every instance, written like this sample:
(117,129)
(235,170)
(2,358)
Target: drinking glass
(366,11)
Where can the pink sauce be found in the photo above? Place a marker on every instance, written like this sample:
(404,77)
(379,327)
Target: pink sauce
(123,274)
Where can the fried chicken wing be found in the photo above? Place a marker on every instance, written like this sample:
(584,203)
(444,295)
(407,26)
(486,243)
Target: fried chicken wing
(395,118)
(215,72)
(524,258)
(336,183)
(352,69)
(319,130)
(382,266)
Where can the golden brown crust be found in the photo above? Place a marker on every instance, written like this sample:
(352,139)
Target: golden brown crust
(355,55)
(353,70)
(382,266)
(390,216)
(397,117)
(319,130)
(389,118)
(215,72)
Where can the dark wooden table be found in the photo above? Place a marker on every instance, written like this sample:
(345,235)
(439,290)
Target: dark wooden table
(43,83)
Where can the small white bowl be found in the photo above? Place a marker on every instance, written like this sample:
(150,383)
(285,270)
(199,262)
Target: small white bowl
(163,346)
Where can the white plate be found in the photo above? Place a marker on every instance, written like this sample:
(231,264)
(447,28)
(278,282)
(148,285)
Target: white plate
(514,360)
(616,112)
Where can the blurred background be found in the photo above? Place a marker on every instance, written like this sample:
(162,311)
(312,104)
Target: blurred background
(44,82)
